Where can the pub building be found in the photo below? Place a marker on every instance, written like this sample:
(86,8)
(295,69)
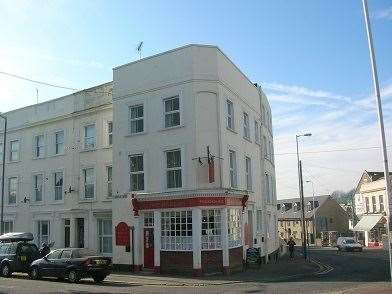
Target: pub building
(193,143)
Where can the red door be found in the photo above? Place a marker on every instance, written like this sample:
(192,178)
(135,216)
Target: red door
(149,248)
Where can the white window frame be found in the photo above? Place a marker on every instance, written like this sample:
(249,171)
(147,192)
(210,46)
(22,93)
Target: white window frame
(136,173)
(59,144)
(248,173)
(181,238)
(13,192)
(56,187)
(36,187)
(101,235)
(85,183)
(136,120)
(171,112)
(246,125)
(40,237)
(109,126)
(257,132)
(39,147)
(87,144)
(174,169)
(109,181)
(148,219)
(12,151)
(233,169)
(230,122)
(211,229)
(234,226)
(8,226)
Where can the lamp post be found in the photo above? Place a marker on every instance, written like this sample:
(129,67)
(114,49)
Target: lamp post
(301,194)
(382,131)
(314,213)
(3,176)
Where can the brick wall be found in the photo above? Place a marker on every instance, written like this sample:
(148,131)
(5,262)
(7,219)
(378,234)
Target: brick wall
(236,258)
(176,262)
(211,261)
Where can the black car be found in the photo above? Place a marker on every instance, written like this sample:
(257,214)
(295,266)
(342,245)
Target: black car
(17,253)
(72,264)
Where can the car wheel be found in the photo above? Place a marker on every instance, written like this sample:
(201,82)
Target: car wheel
(99,278)
(34,273)
(6,270)
(73,276)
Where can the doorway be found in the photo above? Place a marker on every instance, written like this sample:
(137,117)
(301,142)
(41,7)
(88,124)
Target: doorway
(80,232)
(67,232)
(148,247)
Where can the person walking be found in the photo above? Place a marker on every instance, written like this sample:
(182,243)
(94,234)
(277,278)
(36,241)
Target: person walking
(291,245)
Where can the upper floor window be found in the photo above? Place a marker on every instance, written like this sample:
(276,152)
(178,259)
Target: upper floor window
(109,179)
(136,168)
(248,173)
(59,142)
(230,115)
(246,126)
(89,182)
(12,190)
(38,184)
(89,137)
(39,146)
(172,112)
(136,119)
(110,133)
(1,152)
(58,186)
(374,205)
(367,204)
(259,220)
(267,187)
(233,169)
(381,201)
(14,150)
(265,143)
(257,132)
(173,169)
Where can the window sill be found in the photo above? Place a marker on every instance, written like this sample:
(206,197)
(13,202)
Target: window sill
(258,143)
(36,158)
(14,161)
(107,199)
(57,155)
(107,147)
(171,128)
(88,149)
(57,202)
(87,200)
(135,134)
(247,139)
(37,203)
(231,130)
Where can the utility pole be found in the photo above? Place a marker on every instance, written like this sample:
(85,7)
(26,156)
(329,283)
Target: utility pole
(301,190)
(382,132)
(3,175)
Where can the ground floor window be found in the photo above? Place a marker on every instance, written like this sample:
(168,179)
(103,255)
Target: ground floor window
(8,227)
(211,229)
(234,227)
(105,236)
(43,232)
(148,219)
(176,228)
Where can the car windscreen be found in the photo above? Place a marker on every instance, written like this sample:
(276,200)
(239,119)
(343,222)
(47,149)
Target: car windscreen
(4,248)
(349,241)
(79,253)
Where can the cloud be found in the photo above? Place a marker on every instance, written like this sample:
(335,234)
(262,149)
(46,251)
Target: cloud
(336,122)
(384,14)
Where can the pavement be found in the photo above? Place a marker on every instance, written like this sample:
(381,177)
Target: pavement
(327,272)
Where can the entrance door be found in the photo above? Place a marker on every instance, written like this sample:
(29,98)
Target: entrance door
(149,248)
(80,232)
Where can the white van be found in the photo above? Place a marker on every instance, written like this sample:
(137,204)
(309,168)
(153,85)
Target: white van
(348,244)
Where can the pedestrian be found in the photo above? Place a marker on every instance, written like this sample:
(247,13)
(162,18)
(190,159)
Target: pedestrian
(291,245)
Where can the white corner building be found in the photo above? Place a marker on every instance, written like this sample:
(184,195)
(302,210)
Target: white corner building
(170,167)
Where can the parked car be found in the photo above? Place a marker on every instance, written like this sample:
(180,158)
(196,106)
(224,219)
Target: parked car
(17,253)
(348,244)
(72,264)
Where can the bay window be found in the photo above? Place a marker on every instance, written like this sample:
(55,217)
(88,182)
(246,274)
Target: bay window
(211,229)
(234,227)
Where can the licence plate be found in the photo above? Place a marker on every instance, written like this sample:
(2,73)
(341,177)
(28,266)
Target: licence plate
(100,262)
(23,258)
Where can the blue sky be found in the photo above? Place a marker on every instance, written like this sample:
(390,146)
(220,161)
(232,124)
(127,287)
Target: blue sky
(311,58)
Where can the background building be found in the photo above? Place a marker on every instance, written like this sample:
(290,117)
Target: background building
(322,216)
(370,202)
(168,167)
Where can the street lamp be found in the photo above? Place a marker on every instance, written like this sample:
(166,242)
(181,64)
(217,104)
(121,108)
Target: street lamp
(3,176)
(301,194)
(314,213)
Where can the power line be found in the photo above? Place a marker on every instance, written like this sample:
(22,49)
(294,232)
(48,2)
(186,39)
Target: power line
(37,82)
(330,150)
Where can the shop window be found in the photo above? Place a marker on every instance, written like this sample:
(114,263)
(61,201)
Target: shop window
(211,229)
(234,227)
(176,230)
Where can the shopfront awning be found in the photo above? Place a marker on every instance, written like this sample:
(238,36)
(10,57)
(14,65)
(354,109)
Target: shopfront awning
(367,223)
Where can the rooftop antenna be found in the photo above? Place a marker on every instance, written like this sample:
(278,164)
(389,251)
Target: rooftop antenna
(36,90)
(139,49)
